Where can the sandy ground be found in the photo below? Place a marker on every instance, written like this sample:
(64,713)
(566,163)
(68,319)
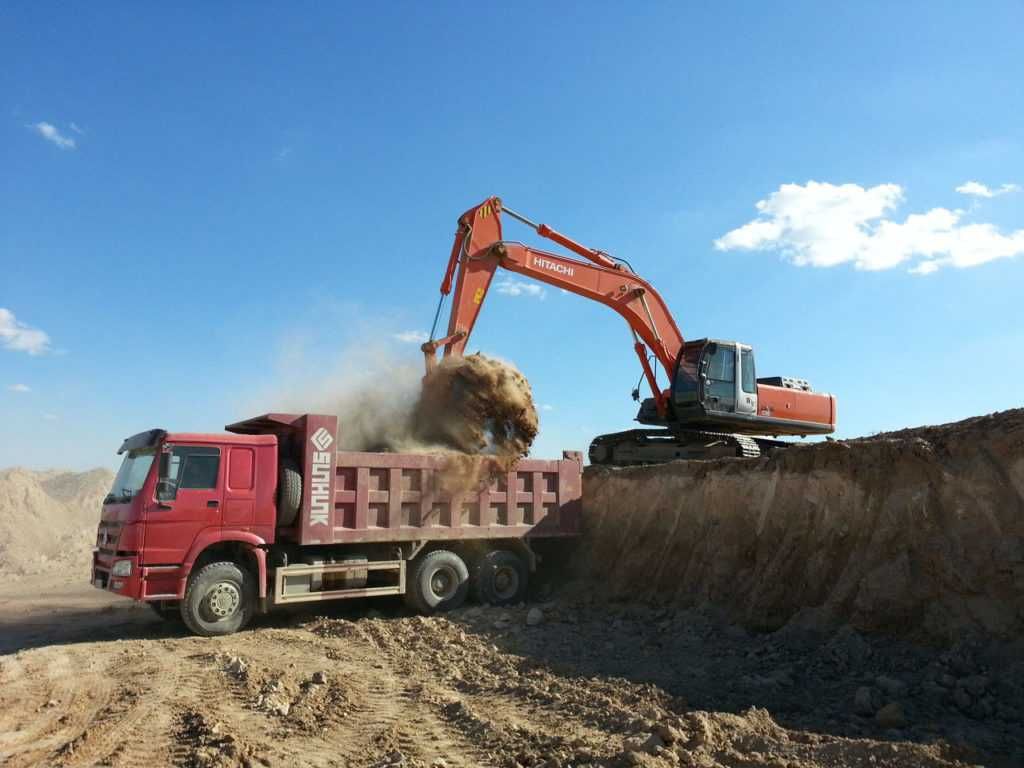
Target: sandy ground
(90,680)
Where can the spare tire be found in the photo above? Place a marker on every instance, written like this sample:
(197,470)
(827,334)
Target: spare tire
(289,492)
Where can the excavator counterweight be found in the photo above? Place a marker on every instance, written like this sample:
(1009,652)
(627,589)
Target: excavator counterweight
(714,403)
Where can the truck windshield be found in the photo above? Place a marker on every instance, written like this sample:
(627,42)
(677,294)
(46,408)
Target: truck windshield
(131,475)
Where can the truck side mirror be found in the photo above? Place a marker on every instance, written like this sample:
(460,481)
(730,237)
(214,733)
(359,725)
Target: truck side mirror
(166,488)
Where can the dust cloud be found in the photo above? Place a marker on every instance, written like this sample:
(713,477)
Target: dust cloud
(476,411)
(371,389)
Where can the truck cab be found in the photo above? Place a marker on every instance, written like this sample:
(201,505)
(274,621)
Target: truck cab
(174,494)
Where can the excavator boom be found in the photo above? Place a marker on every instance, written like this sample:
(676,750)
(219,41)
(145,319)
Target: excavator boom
(479,250)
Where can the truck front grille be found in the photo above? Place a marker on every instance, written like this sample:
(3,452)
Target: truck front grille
(107,537)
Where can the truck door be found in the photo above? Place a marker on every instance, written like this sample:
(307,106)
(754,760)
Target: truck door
(720,377)
(746,381)
(240,487)
(188,499)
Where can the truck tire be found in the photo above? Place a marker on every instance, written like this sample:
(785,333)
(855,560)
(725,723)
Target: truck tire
(439,582)
(220,599)
(500,578)
(289,492)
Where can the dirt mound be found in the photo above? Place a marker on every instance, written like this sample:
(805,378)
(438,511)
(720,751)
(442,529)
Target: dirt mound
(919,532)
(477,405)
(48,519)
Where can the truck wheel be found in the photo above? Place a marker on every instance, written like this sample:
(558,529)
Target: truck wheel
(439,582)
(500,578)
(289,492)
(219,600)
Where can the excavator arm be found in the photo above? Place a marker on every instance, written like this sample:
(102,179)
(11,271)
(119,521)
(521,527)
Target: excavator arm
(479,250)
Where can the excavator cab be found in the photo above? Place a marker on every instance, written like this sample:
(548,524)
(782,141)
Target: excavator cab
(714,377)
(715,388)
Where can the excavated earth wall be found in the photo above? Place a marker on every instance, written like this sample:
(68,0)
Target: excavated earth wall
(918,533)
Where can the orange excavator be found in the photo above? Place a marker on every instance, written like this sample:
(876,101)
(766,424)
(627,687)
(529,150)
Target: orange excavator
(714,404)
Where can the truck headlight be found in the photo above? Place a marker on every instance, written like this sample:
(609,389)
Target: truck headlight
(122,568)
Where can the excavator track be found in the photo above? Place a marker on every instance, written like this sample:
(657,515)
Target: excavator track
(657,446)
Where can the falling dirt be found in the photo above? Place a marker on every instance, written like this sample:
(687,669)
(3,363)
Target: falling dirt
(479,413)
(462,473)
(477,405)
(475,411)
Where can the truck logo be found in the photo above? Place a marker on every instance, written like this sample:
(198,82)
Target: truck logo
(320,478)
(322,439)
(553,266)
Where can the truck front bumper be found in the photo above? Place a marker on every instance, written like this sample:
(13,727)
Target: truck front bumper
(125,584)
(161,582)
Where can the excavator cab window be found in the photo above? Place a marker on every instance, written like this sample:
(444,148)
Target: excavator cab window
(749,377)
(720,377)
(685,390)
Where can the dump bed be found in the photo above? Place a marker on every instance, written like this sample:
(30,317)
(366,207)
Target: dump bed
(351,497)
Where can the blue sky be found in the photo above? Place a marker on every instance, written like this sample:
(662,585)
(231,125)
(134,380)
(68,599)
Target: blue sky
(200,206)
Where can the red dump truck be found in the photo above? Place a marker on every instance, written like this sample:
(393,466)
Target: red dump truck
(220,527)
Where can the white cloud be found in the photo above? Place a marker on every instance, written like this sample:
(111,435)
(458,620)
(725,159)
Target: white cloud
(977,189)
(824,225)
(20,337)
(50,132)
(547,407)
(519,288)
(50,416)
(411,337)
(77,130)
(20,388)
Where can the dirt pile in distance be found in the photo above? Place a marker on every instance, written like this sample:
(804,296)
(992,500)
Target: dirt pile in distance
(48,519)
(481,410)
(918,533)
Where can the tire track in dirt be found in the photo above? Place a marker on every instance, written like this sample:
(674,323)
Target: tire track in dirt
(234,689)
(200,698)
(388,713)
(441,701)
(55,693)
(145,680)
(279,666)
(488,703)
